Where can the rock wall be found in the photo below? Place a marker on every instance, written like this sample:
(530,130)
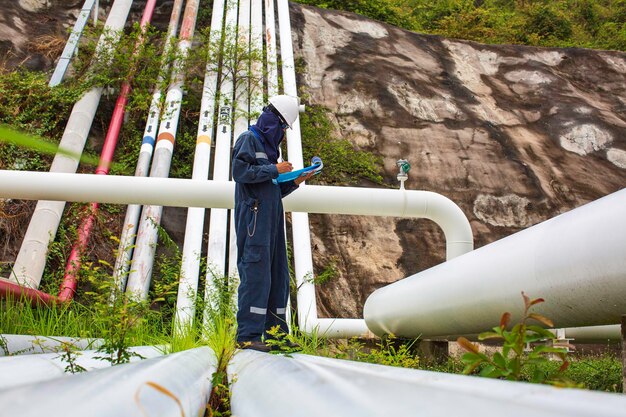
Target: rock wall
(514,135)
(33,32)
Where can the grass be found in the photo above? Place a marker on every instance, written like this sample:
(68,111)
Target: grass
(73,320)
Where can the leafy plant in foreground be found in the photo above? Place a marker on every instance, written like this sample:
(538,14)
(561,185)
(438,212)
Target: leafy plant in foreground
(511,363)
(69,354)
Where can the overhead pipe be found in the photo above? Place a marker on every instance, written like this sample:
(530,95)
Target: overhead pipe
(31,259)
(218,222)
(28,369)
(131,221)
(172,385)
(143,255)
(192,246)
(71,44)
(21,344)
(70,279)
(220,194)
(272,385)
(575,261)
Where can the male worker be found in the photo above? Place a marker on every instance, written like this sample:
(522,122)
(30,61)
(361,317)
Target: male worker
(262,253)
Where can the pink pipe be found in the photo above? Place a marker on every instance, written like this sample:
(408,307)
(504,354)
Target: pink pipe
(12,290)
(68,286)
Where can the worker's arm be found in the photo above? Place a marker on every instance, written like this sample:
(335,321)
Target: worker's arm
(245,168)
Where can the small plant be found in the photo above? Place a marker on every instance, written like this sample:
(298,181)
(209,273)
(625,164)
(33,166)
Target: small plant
(69,354)
(119,315)
(513,361)
(391,352)
(219,332)
(329,273)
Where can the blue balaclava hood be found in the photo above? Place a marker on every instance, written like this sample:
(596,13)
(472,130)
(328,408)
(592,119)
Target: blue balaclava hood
(268,129)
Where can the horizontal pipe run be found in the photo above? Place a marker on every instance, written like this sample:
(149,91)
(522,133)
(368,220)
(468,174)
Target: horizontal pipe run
(341,328)
(172,385)
(575,261)
(19,344)
(27,369)
(174,192)
(609,332)
(273,385)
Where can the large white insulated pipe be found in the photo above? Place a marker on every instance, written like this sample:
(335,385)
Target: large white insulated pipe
(21,344)
(272,385)
(31,259)
(131,221)
(192,246)
(172,385)
(575,261)
(26,369)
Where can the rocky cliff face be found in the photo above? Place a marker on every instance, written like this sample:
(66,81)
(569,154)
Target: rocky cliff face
(514,135)
(33,32)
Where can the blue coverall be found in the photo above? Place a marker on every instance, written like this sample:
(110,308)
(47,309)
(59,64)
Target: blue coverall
(262,253)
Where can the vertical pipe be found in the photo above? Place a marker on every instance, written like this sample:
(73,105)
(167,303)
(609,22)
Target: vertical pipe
(129,230)
(270,44)
(31,259)
(72,43)
(242,108)
(242,120)
(143,257)
(96,11)
(256,67)
(68,286)
(192,247)
(307,306)
(216,253)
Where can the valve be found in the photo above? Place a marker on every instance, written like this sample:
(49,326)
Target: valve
(403,174)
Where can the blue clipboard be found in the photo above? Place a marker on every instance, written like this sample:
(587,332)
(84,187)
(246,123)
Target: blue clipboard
(316,166)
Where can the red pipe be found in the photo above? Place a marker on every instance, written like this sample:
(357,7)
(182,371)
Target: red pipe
(15,291)
(68,286)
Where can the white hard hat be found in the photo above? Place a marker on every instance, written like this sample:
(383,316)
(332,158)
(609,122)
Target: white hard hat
(287,106)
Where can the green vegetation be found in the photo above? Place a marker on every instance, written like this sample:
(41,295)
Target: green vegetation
(600,373)
(598,24)
(343,164)
(513,360)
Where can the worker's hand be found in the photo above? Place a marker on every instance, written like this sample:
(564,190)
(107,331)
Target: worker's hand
(283,167)
(303,178)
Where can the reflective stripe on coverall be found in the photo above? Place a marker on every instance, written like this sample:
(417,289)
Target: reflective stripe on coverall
(262,253)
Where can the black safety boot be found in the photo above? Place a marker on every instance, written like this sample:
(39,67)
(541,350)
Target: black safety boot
(254,345)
